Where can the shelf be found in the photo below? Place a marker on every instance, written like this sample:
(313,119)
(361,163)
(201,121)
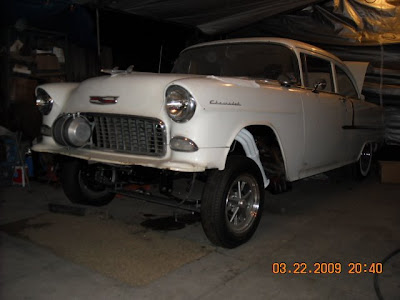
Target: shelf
(34,60)
(20,58)
(47,74)
(39,76)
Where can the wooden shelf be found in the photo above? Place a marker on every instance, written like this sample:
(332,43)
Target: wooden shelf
(23,71)
(20,58)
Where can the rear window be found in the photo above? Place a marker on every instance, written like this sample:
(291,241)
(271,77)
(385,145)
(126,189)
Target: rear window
(345,85)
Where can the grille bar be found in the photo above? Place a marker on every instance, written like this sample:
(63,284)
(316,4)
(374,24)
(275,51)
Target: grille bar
(128,134)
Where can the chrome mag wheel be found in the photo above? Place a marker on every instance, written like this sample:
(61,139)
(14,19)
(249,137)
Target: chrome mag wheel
(242,204)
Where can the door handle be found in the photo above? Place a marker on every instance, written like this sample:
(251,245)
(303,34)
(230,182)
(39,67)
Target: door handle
(343,99)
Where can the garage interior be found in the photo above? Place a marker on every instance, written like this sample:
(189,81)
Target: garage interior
(132,249)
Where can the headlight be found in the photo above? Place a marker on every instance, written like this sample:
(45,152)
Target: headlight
(43,101)
(179,103)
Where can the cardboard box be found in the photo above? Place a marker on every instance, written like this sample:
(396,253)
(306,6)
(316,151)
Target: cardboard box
(23,90)
(390,171)
(46,62)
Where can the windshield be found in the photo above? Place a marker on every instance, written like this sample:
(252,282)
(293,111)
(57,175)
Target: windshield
(254,60)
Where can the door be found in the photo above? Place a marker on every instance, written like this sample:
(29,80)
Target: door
(325,113)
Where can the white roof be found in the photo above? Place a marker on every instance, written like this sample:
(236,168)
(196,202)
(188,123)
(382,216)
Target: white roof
(287,42)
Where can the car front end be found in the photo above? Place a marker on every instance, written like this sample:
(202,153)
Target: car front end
(128,119)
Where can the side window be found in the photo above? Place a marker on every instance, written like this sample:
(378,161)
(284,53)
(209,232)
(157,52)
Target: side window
(345,85)
(316,69)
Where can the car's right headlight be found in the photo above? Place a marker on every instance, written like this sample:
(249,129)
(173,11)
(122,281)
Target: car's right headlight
(43,101)
(179,103)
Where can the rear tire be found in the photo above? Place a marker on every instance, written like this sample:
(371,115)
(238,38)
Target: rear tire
(232,202)
(77,180)
(364,163)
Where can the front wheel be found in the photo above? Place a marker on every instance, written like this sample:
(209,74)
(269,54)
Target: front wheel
(79,184)
(232,202)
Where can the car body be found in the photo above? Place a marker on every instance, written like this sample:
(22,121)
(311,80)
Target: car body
(259,93)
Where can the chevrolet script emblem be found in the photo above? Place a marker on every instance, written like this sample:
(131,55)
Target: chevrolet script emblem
(103,100)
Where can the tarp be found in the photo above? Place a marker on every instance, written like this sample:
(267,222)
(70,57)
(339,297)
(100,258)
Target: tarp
(337,22)
(210,16)
(332,22)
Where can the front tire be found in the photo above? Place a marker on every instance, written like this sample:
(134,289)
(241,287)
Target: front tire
(77,180)
(232,202)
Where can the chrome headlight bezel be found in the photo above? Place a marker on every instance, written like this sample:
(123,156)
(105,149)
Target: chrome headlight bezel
(43,101)
(179,104)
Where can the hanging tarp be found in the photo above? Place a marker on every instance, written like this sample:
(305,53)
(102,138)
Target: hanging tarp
(338,22)
(392,125)
(210,16)
(366,22)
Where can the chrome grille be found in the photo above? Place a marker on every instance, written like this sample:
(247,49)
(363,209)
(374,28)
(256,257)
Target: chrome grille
(128,134)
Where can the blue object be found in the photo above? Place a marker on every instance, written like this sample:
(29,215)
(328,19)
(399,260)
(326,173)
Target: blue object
(29,163)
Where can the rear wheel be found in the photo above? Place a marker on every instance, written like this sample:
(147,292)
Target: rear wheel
(80,186)
(363,165)
(232,202)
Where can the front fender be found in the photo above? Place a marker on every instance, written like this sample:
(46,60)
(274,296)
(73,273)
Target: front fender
(60,93)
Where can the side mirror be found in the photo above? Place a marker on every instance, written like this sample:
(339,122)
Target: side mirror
(320,85)
(284,80)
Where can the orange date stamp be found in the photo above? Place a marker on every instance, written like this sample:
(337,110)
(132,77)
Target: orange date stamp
(327,268)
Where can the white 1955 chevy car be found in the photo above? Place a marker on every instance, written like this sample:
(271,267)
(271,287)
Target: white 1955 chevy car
(233,117)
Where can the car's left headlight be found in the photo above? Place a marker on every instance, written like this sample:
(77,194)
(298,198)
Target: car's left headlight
(179,103)
(43,101)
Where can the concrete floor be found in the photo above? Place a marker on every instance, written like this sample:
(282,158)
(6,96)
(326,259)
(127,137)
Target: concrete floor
(324,219)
